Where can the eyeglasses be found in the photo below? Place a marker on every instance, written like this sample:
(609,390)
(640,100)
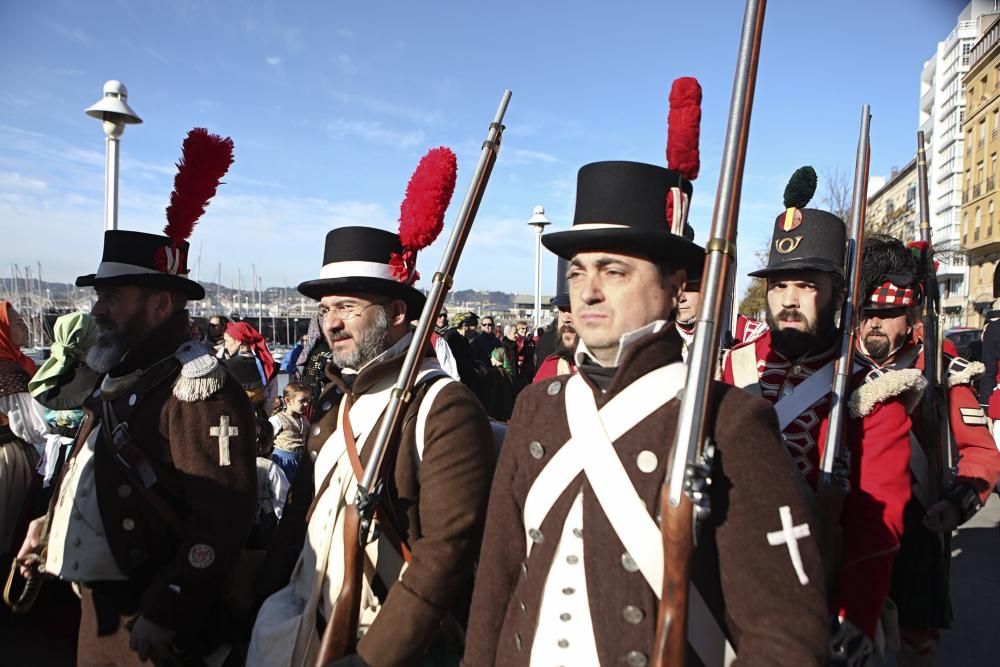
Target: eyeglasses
(487,324)
(347,312)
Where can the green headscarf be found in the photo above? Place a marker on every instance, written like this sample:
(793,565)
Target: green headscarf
(74,334)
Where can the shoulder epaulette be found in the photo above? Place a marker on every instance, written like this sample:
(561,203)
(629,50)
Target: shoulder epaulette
(963,371)
(881,384)
(201,374)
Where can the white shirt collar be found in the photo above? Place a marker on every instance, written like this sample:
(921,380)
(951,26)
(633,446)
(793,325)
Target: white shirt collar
(627,340)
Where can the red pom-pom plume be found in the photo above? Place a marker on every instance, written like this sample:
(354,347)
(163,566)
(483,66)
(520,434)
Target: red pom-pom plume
(684,127)
(205,159)
(421,216)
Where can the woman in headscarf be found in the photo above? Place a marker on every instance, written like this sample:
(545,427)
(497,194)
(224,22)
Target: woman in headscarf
(61,385)
(241,340)
(23,432)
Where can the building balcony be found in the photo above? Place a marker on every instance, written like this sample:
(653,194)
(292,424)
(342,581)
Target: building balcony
(977,190)
(928,127)
(927,101)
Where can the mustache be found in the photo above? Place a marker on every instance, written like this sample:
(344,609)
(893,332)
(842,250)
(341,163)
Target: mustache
(786,315)
(339,335)
(567,328)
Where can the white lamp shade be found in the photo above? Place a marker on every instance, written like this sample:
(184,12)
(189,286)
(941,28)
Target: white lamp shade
(114,105)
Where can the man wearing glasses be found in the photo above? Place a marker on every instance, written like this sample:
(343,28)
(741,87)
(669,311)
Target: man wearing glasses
(419,572)
(485,341)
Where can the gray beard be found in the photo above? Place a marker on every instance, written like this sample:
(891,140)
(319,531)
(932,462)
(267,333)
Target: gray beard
(105,354)
(372,342)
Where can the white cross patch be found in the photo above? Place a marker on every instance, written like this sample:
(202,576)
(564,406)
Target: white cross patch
(223,431)
(790,534)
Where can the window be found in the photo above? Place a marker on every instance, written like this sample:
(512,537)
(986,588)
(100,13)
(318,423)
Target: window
(979,218)
(989,228)
(911,196)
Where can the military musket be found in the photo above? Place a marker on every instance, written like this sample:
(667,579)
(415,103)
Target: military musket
(341,633)
(935,399)
(834,467)
(683,500)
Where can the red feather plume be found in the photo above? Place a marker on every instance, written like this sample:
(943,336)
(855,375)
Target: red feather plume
(421,215)
(205,159)
(684,127)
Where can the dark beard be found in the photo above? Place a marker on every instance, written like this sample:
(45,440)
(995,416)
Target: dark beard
(561,349)
(794,343)
(372,342)
(877,347)
(112,345)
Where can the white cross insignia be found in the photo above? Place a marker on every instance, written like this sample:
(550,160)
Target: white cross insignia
(223,431)
(790,534)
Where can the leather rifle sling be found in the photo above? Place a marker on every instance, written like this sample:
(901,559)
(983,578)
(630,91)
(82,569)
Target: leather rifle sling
(388,529)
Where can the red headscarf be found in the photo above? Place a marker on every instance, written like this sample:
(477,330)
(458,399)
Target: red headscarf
(9,351)
(250,337)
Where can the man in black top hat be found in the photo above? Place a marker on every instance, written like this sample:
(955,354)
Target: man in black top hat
(572,558)
(437,480)
(158,495)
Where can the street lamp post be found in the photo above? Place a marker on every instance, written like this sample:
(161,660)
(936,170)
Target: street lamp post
(114,113)
(538,221)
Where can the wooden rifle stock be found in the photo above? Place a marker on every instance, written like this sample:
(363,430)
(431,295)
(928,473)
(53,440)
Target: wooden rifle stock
(341,633)
(340,636)
(671,621)
(683,495)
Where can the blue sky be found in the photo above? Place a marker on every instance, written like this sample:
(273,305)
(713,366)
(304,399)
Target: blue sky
(331,105)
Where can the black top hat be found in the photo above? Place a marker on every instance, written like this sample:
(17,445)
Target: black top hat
(361,259)
(805,238)
(622,207)
(144,260)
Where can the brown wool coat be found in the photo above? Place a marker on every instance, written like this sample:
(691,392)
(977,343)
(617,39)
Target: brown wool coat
(750,586)
(439,502)
(215,503)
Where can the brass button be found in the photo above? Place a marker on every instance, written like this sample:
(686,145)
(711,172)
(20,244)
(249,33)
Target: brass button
(633,615)
(315,430)
(132,400)
(517,641)
(563,643)
(578,532)
(564,617)
(628,563)
(636,659)
(124,491)
(536,535)
(524,607)
(536,449)
(554,388)
(569,590)
(326,406)
(572,560)
(128,524)
(524,570)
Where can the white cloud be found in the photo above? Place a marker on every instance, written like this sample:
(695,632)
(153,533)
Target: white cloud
(72,34)
(387,108)
(14,181)
(345,33)
(273,61)
(375,132)
(523,156)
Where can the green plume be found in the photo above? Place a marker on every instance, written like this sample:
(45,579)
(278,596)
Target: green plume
(801,187)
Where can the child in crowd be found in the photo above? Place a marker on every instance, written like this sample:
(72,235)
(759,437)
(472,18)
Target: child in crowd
(290,427)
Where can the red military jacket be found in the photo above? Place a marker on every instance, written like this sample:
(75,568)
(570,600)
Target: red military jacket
(552,366)
(878,442)
(979,459)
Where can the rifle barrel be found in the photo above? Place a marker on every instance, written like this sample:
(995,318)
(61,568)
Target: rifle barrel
(852,270)
(678,509)
(440,285)
(720,255)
